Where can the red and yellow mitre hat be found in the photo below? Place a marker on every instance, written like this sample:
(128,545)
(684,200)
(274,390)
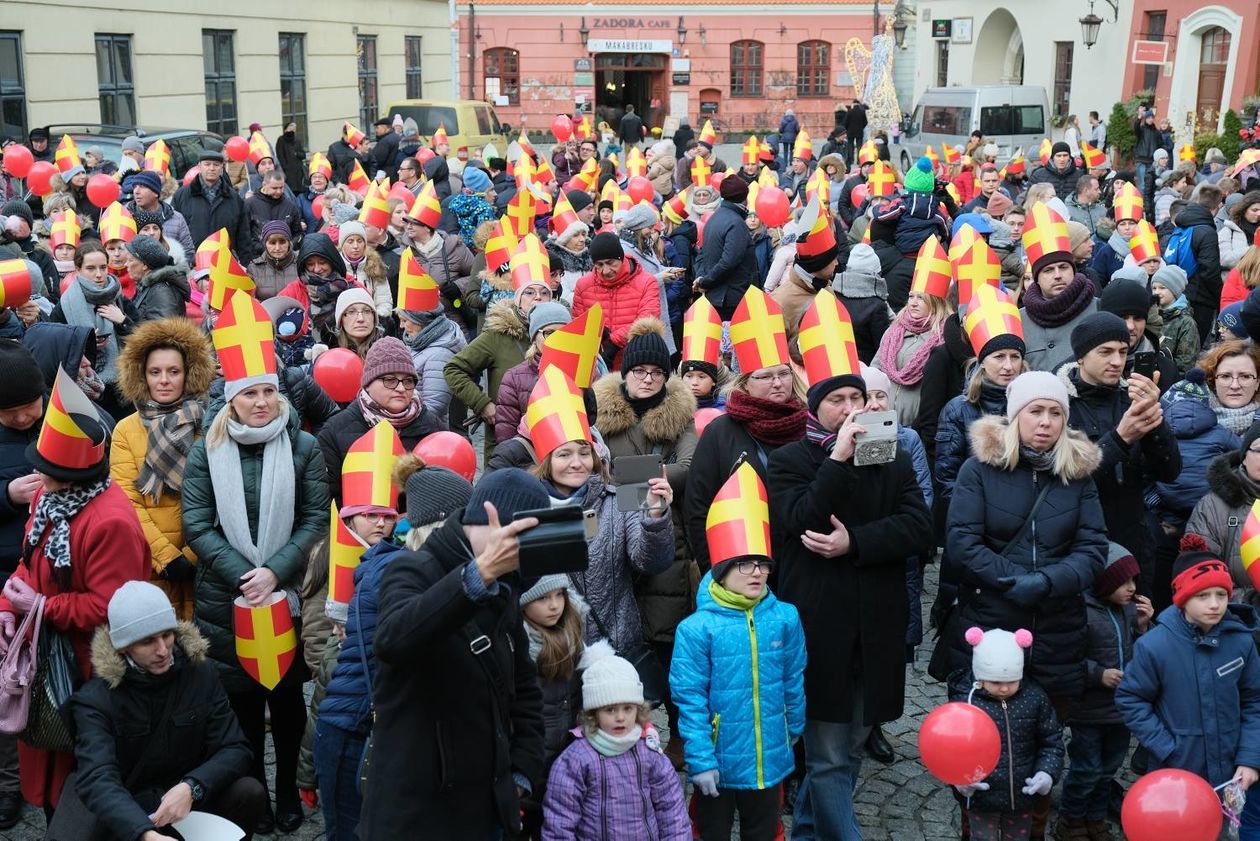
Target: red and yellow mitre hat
(828,346)
(563,215)
(1016,165)
(500,245)
(583,130)
(961,241)
(259,148)
(521,212)
(767,177)
(804,147)
(574,347)
(266,642)
(588,175)
(950,154)
(819,184)
(702,333)
(1093,158)
(1186,152)
(707,135)
(244,340)
(345,550)
(1127,203)
(993,322)
(868,153)
(752,150)
(818,233)
(1047,148)
(1046,238)
(757,332)
(375,210)
(439,136)
(352,134)
(978,265)
(226,272)
(15,281)
(556,413)
(65,230)
(417,290)
(675,210)
(636,164)
(738,523)
(116,222)
(319,163)
(530,264)
(701,172)
(67,156)
(71,443)
(882,181)
(427,208)
(932,270)
(358,180)
(367,472)
(1144,244)
(157,158)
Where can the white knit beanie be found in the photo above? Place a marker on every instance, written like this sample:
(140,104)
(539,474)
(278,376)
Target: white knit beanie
(998,655)
(610,680)
(1034,385)
(348,298)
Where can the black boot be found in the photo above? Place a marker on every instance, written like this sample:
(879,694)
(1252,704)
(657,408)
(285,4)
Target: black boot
(10,809)
(877,747)
(267,823)
(288,811)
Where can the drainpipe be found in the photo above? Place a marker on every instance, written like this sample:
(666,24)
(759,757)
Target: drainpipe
(472,49)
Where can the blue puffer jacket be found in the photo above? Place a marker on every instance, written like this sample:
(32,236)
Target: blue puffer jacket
(738,678)
(1193,699)
(347,699)
(1200,438)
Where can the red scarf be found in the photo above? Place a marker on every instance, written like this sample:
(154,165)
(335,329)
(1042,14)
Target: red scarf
(767,421)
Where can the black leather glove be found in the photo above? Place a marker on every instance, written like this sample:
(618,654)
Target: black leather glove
(179,569)
(1026,590)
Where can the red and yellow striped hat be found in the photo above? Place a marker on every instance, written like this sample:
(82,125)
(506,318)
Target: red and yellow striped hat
(702,333)
(65,230)
(738,523)
(244,340)
(675,210)
(375,210)
(556,413)
(932,270)
(1093,158)
(992,315)
(707,135)
(67,156)
(530,264)
(977,265)
(352,134)
(574,347)
(367,472)
(116,222)
(259,148)
(319,164)
(358,180)
(1127,203)
(500,245)
(826,339)
(804,147)
(757,332)
(417,290)
(1045,239)
(427,209)
(157,158)
(1144,244)
(71,443)
(751,151)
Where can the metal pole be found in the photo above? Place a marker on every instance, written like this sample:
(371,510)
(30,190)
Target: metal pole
(876,26)
(472,50)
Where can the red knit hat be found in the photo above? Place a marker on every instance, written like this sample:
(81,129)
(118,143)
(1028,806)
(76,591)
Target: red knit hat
(1197,569)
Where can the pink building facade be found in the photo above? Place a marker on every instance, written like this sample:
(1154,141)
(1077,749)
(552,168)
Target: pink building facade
(739,65)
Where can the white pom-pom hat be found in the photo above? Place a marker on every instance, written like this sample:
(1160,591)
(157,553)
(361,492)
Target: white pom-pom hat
(998,655)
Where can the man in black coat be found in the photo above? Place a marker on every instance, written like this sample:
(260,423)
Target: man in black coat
(842,534)
(1127,423)
(385,150)
(342,157)
(209,203)
(630,129)
(457,696)
(1061,173)
(727,255)
(292,158)
(682,136)
(1204,288)
(855,127)
(273,202)
(156,736)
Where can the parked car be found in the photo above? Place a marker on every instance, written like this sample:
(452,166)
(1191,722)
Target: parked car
(185,144)
(1012,116)
(470,124)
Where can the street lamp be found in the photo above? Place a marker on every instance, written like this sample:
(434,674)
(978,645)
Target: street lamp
(899,32)
(1090,24)
(583,31)
(682,31)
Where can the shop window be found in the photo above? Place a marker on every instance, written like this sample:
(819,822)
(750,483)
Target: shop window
(747,59)
(813,68)
(502,74)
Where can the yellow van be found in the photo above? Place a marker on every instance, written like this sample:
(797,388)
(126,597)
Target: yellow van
(470,124)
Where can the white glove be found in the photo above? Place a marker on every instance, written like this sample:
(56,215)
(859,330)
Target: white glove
(313,352)
(967,791)
(1039,783)
(706,782)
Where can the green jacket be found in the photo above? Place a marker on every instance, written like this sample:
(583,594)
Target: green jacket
(500,345)
(1180,336)
(220,566)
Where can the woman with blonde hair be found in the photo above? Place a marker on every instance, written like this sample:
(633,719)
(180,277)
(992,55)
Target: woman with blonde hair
(1038,194)
(905,347)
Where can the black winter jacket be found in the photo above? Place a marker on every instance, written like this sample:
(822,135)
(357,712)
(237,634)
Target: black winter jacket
(1067,543)
(1110,632)
(226,211)
(1064,183)
(263,208)
(727,255)
(161,294)
(944,377)
(13,465)
(1204,288)
(349,425)
(953,443)
(306,396)
(866,298)
(342,157)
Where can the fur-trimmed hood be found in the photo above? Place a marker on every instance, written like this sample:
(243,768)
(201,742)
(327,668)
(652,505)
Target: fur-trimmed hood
(1223,479)
(663,423)
(110,665)
(178,331)
(504,317)
(986,443)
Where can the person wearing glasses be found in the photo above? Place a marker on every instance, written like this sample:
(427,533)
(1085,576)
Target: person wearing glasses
(356,327)
(389,392)
(843,533)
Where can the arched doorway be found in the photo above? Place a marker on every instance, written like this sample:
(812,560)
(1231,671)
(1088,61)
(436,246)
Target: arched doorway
(1213,62)
(999,51)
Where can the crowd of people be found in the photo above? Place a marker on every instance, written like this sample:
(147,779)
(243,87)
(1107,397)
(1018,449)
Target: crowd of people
(237,426)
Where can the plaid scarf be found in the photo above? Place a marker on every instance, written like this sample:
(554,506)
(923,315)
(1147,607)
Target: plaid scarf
(172,431)
(58,508)
(819,435)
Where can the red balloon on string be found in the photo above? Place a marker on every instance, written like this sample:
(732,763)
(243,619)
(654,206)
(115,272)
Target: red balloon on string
(640,189)
(317,207)
(39,178)
(772,207)
(704,417)
(191,175)
(338,372)
(18,160)
(450,450)
(102,190)
(1171,803)
(959,744)
(237,148)
(425,155)
(562,127)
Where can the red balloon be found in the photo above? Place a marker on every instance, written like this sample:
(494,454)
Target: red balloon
(704,220)
(18,160)
(338,372)
(716,179)
(425,155)
(704,417)
(959,744)
(640,189)
(39,178)
(1171,804)
(317,207)
(450,450)
(772,207)
(401,191)
(562,127)
(191,174)
(858,195)
(102,190)
(237,148)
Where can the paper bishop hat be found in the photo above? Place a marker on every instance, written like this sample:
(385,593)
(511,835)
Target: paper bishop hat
(352,134)
(530,263)
(556,413)
(828,346)
(157,158)
(244,340)
(71,442)
(868,153)
(226,272)
(1144,244)
(751,151)
(319,163)
(804,147)
(116,222)
(882,181)
(707,135)
(993,321)
(367,472)
(738,523)
(978,265)
(15,281)
(1127,203)
(1046,238)
(65,229)
(1093,158)
(932,270)
(266,642)
(259,148)
(757,332)
(67,156)
(417,290)
(574,347)
(702,333)
(500,245)
(427,209)
(818,233)
(375,209)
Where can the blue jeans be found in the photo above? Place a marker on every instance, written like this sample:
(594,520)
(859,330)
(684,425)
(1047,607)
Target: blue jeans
(337,755)
(833,760)
(1140,175)
(1249,820)
(1095,754)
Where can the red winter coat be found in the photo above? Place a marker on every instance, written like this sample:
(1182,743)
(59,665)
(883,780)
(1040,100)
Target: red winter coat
(107,549)
(631,295)
(513,397)
(1234,290)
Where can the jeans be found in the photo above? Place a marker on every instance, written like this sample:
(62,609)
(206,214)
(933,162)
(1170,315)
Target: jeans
(1095,753)
(833,760)
(337,756)
(1140,176)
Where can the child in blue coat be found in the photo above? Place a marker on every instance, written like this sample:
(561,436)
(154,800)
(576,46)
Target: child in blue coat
(738,678)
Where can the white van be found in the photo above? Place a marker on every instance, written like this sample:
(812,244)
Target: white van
(1012,116)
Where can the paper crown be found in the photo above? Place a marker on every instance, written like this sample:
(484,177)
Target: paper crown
(266,643)
(417,290)
(707,135)
(1127,203)
(367,470)
(702,333)
(882,181)
(556,413)
(72,437)
(244,339)
(259,148)
(636,164)
(15,281)
(67,155)
(65,229)
(818,233)
(358,180)
(990,314)
(826,339)
(319,164)
(932,270)
(978,265)
(701,172)
(804,147)
(226,272)
(757,332)
(751,151)
(1045,232)
(500,245)
(1092,158)
(574,347)
(530,263)
(868,153)
(440,136)
(375,210)
(427,209)
(738,522)
(1144,244)
(352,134)
(157,158)
(116,222)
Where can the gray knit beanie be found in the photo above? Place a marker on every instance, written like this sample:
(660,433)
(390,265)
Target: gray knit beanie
(137,611)
(543,586)
(434,493)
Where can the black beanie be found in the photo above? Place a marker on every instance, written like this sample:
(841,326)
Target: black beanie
(817,262)
(734,190)
(645,349)
(697,365)
(1125,297)
(434,493)
(19,208)
(1002,341)
(23,382)
(509,490)
(819,391)
(605,246)
(1097,329)
(1249,438)
(579,199)
(1060,147)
